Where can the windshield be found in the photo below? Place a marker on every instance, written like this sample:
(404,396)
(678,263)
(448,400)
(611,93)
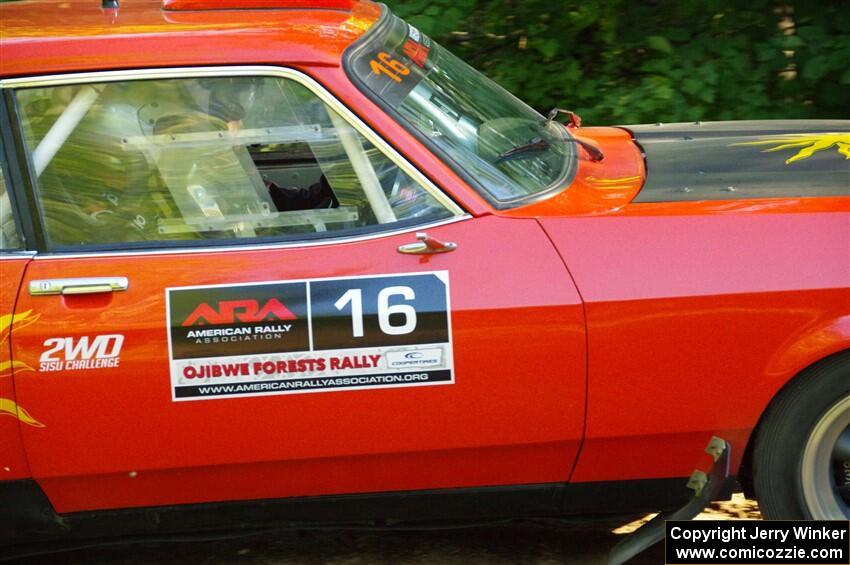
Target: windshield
(494,140)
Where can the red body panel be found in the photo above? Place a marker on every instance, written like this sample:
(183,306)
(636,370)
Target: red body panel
(254,4)
(515,414)
(78,36)
(13,461)
(688,339)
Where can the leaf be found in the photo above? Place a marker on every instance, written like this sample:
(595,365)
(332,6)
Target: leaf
(692,86)
(548,48)
(707,95)
(766,52)
(792,42)
(816,67)
(657,66)
(678,34)
(424,23)
(659,43)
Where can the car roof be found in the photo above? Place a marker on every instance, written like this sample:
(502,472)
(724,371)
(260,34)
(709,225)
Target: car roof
(57,36)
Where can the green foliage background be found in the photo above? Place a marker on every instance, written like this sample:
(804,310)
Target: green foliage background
(632,61)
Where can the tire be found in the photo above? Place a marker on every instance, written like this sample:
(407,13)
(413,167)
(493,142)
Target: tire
(801,455)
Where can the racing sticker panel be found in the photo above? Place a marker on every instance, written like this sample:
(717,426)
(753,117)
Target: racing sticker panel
(317,335)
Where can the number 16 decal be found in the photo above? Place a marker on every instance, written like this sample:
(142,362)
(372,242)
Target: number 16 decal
(379,311)
(355,298)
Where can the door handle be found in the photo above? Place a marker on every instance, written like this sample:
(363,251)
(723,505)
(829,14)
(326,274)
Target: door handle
(88,285)
(427,245)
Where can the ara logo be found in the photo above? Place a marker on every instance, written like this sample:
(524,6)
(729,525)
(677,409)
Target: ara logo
(70,354)
(231,311)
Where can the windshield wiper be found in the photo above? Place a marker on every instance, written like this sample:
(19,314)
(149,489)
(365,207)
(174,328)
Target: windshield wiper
(575,122)
(539,144)
(595,153)
(534,146)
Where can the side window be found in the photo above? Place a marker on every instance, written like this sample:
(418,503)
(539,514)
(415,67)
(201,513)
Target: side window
(9,236)
(206,159)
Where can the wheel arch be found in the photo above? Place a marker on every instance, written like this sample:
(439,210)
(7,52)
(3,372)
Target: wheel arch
(745,470)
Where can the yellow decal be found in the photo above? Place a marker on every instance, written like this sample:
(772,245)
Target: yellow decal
(621,183)
(8,324)
(9,408)
(6,368)
(809,144)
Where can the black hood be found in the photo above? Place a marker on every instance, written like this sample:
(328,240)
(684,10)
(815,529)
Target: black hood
(747,159)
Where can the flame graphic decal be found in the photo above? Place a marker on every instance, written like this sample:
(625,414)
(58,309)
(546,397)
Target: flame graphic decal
(8,324)
(809,144)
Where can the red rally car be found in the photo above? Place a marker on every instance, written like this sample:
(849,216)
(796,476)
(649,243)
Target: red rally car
(290,261)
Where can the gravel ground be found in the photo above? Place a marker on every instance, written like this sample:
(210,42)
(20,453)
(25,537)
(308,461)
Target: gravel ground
(584,543)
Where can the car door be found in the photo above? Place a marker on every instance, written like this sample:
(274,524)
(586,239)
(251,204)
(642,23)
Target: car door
(233,304)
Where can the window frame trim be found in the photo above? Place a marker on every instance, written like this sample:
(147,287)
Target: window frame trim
(8,87)
(15,185)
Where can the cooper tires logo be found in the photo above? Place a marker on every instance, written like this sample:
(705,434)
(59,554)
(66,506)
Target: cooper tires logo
(420,358)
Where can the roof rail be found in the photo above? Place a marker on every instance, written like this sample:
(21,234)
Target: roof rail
(179,5)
